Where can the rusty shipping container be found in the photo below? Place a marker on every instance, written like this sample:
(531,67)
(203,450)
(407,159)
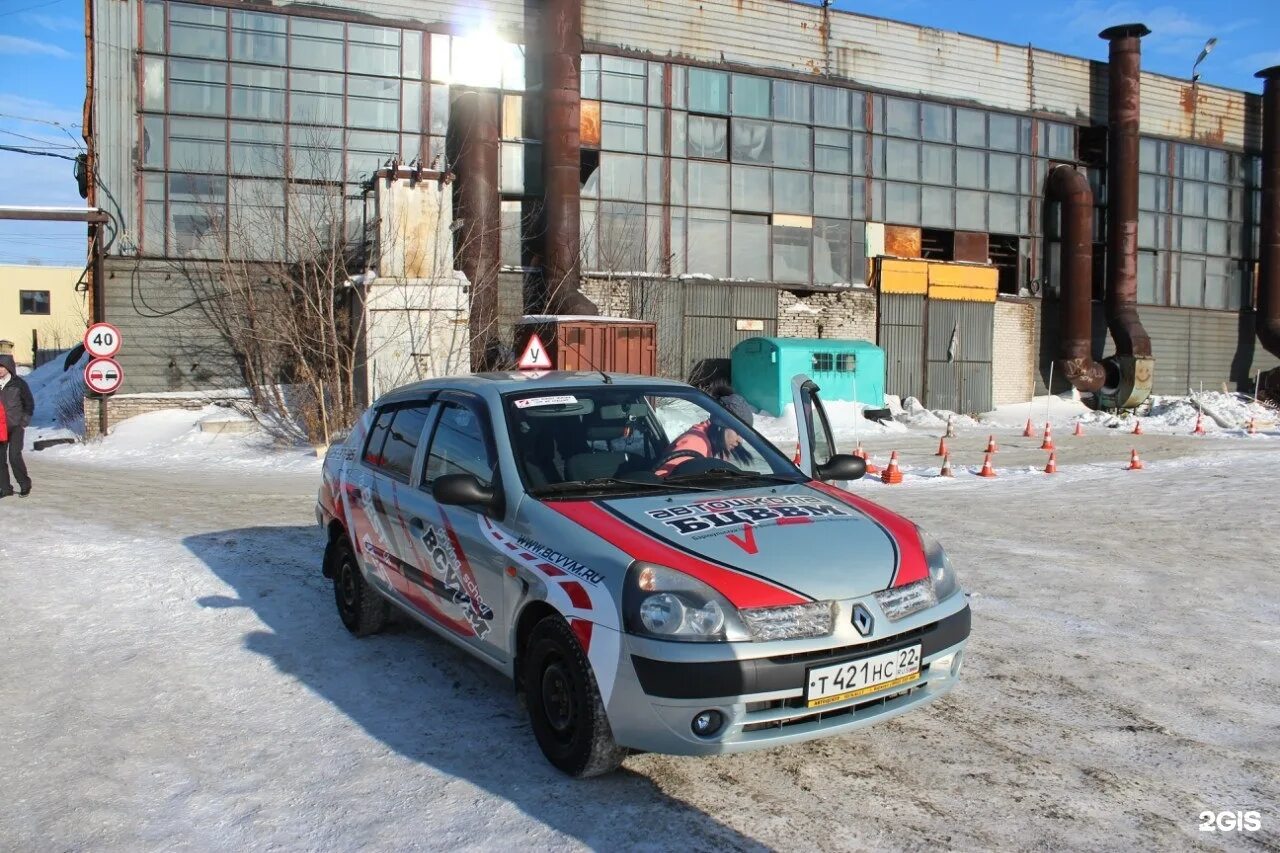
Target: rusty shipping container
(594,343)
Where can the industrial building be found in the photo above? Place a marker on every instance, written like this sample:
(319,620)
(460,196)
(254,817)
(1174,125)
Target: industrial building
(724,168)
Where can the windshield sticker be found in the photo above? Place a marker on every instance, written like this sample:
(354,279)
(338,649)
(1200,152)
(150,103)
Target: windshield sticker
(722,516)
(562,400)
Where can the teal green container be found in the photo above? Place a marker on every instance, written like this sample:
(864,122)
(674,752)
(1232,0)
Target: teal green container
(852,371)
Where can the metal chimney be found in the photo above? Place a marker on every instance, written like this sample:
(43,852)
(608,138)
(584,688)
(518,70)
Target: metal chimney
(474,150)
(1268,311)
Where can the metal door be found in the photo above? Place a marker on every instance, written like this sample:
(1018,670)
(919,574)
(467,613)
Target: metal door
(959,355)
(719,316)
(902,320)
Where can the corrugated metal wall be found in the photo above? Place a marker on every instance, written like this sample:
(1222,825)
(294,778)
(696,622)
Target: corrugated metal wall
(962,384)
(905,58)
(901,333)
(114,110)
(662,302)
(711,312)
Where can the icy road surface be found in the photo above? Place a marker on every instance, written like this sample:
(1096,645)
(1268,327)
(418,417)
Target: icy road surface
(174,677)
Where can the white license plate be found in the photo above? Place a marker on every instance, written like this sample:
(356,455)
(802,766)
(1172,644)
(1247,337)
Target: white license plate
(848,680)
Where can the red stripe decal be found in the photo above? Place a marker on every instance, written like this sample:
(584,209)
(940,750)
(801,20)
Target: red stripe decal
(782,521)
(582,628)
(912,565)
(742,590)
(577,595)
(549,570)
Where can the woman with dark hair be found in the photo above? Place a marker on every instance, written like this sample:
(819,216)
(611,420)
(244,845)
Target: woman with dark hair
(714,438)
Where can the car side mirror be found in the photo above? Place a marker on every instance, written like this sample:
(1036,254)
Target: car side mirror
(842,466)
(464,490)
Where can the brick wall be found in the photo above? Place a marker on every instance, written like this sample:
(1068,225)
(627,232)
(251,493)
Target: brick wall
(847,314)
(612,297)
(1014,352)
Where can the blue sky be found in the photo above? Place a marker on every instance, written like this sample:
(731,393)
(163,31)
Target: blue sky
(42,75)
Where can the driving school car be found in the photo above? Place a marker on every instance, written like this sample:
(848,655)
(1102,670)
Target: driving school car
(652,573)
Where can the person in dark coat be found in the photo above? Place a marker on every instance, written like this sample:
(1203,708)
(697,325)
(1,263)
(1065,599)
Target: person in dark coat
(19,407)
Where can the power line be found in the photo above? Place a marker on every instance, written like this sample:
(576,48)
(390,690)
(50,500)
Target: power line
(35,153)
(31,8)
(44,143)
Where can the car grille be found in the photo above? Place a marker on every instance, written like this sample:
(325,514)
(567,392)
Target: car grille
(860,649)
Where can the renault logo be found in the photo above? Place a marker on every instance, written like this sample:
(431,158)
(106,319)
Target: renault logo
(862,620)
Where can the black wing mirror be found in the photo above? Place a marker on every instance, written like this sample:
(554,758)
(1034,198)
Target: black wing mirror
(842,466)
(464,490)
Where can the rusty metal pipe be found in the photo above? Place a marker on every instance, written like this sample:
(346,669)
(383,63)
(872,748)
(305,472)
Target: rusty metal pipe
(1268,311)
(561,41)
(1071,189)
(474,151)
(1124,103)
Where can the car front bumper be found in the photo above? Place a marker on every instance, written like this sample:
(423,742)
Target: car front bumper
(662,686)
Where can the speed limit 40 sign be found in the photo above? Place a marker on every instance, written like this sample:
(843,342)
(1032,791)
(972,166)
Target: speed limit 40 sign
(102,340)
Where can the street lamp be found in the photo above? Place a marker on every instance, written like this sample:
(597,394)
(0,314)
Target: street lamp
(1208,48)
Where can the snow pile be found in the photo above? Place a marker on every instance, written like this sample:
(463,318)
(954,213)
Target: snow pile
(172,438)
(1224,413)
(59,396)
(1058,410)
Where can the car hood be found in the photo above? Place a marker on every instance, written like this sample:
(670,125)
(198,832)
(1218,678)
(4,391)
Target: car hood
(812,540)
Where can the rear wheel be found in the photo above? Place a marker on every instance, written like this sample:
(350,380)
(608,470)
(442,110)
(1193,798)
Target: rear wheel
(361,609)
(564,704)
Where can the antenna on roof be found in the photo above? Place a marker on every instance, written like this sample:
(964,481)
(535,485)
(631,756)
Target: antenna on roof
(607,380)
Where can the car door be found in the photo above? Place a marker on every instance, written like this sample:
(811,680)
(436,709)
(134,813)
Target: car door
(817,442)
(463,574)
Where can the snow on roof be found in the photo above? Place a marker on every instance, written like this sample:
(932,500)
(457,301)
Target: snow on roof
(574,318)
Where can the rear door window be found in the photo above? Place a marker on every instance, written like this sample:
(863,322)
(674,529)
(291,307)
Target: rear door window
(402,441)
(378,437)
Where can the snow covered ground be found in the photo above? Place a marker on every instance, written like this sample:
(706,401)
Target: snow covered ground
(174,675)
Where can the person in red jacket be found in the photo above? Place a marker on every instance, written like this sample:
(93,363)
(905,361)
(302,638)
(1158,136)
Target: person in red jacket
(713,438)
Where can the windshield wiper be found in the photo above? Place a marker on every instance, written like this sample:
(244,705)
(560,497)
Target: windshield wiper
(731,473)
(588,485)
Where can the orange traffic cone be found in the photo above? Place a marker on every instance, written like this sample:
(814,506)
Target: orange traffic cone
(991,444)
(1253,427)
(987,470)
(1137,427)
(1079,430)
(1052,467)
(1199,430)
(951,426)
(942,447)
(1027,432)
(795,460)
(946,467)
(893,474)
(1048,438)
(1135,464)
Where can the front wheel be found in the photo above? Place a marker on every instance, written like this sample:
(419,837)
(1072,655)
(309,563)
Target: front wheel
(565,710)
(361,609)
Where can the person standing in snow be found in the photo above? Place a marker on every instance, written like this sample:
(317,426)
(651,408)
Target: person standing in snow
(19,406)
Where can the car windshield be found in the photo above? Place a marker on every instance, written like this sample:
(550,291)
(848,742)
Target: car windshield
(636,439)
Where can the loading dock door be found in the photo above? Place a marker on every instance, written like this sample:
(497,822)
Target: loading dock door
(959,355)
(901,333)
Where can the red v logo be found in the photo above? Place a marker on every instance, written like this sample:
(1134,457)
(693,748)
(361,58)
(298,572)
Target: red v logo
(746,542)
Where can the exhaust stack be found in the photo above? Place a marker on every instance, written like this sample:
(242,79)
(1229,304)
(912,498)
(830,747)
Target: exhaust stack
(1075,348)
(1268,312)
(474,149)
(1130,371)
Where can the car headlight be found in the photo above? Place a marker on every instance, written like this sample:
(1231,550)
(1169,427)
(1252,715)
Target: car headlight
(941,584)
(670,605)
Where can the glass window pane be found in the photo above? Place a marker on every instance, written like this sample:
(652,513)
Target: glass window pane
(256,37)
(971,211)
(1002,172)
(679,87)
(440,65)
(439,109)
(708,137)
(1003,214)
(901,117)
(858,198)
(1148,156)
(1147,230)
(197,87)
(708,184)
(367,152)
(751,189)
(937,210)
(902,159)
(831,150)
(1216,204)
(315,154)
(411,55)
(153,84)
(831,196)
(1190,288)
(513,68)
(411,107)
(1216,238)
(1004,132)
(257,92)
(708,243)
(653,186)
(902,204)
(623,80)
(679,134)
(791,101)
(679,181)
(792,146)
(622,127)
(153,26)
(831,255)
(197,145)
(1193,198)
(622,240)
(936,122)
(153,142)
(858,111)
(751,96)
(1060,140)
(622,177)
(315,98)
(315,44)
(198,31)
(830,106)
(971,168)
(1147,284)
(1217,166)
(1193,235)
(750,247)
(373,50)
(792,251)
(708,91)
(752,141)
(657,84)
(257,149)
(792,192)
(656,132)
(1195,162)
(971,128)
(936,164)
(858,154)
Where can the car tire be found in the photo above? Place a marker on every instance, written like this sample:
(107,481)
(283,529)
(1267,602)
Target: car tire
(360,607)
(563,700)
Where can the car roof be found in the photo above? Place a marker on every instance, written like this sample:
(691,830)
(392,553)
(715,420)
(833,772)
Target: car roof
(496,383)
